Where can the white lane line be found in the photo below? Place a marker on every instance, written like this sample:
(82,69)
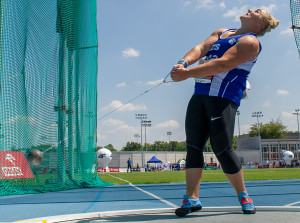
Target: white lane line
(146,192)
(291,204)
(118,178)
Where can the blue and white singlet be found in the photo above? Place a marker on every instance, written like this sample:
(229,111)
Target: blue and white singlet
(229,84)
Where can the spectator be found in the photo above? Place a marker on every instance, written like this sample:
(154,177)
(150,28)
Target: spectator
(129,165)
(178,166)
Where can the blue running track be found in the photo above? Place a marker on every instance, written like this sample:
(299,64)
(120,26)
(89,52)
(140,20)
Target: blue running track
(284,193)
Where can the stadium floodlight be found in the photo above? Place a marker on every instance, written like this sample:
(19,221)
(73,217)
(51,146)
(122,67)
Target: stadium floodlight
(238,115)
(258,115)
(169,134)
(141,117)
(146,124)
(137,136)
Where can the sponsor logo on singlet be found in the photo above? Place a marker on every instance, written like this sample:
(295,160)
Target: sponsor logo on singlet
(215,47)
(232,41)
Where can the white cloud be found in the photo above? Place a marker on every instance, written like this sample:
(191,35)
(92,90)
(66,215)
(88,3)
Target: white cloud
(222,5)
(123,84)
(205,4)
(124,129)
(182,135)
(113,122)
(148,83)
(118,126)
(288,31)
(123,107)
(289,118)
(152,83)
(168,124)
(287,115)
(130,52)
(270,8)
(282,92)
(267,87)
(236,12)
(100,137)
(138,83)
(244,129)
(267,104)
(187,3)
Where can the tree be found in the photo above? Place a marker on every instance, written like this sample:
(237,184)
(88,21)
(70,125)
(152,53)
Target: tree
(131,146)
(162,146)
(147,147)
(173,146)
(180,146)
(271,130)
(159,146)
(234,142)
(109,146)
(207,147)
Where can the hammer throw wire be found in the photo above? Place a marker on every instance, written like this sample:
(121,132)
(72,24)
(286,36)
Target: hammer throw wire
(164,81)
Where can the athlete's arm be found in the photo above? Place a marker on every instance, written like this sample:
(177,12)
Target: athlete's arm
(246,49)
(202,49)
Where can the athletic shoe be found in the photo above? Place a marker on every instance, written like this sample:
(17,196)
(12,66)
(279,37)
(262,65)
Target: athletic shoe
(246,203)
(189,205)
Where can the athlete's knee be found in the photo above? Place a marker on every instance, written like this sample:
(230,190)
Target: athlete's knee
(229,161)
(194,157)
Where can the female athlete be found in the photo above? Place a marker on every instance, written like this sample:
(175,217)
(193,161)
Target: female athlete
(220,80)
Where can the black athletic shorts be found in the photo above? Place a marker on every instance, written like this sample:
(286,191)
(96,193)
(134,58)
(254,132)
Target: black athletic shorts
(208,117)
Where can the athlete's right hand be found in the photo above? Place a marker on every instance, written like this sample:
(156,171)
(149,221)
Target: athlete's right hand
(176,66)
(179,73)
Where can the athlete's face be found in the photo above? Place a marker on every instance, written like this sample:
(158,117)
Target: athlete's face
(254,17)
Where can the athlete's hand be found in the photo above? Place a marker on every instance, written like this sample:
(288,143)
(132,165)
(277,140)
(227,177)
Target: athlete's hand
(179,73)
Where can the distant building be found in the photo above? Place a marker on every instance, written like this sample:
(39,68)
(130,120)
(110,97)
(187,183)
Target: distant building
(119,159)
(271,149)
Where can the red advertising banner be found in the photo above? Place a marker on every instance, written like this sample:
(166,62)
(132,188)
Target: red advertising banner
(14,165)
(263,166)
(114,170)
(211,164)
(101,170)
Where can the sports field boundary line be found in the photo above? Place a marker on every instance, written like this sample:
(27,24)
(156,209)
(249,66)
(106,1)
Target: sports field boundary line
(291,204)
(146,192)
(86,216)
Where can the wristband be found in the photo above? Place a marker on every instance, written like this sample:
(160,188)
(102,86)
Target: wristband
(183,62)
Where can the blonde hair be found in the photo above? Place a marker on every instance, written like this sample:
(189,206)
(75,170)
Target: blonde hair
(271,23)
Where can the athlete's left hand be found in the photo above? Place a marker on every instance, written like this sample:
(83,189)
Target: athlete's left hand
(179,73)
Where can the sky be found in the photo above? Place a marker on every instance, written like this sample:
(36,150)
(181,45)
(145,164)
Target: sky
(140,41)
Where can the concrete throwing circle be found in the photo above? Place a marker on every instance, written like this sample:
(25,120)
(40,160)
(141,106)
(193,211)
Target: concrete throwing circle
(209,214)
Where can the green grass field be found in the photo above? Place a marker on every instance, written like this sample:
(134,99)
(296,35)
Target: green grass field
(209,176)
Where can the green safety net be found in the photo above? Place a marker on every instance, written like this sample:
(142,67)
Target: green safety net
(295,12)
(48,95)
